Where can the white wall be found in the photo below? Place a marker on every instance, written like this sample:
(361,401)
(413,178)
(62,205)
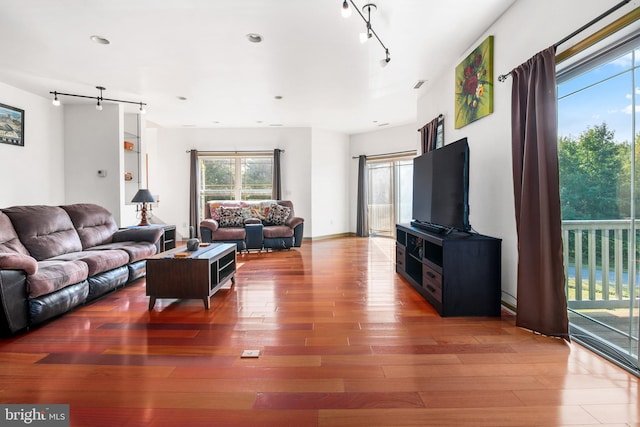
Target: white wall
(94,141)
(33,174)
(169,170)
(329,178)
(387,140)
(528,27)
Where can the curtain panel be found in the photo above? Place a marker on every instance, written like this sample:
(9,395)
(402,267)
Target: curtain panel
(194,193)
(541,300)
(362,220)
(428,135)
(276,191)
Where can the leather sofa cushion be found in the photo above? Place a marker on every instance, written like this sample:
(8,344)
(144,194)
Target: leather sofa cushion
(137,251)
(54,275)
(46,231)
(229,233)
(275,231)
(95,225)
(97,261)
(9,241)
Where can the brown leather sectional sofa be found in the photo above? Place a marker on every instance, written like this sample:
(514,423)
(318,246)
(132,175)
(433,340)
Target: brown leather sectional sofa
(54,258)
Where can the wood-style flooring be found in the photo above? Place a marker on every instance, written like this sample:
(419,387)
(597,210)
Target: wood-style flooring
(343,340)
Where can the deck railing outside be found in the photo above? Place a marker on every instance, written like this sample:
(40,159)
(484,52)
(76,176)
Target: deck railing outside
(380,219)
(599,265)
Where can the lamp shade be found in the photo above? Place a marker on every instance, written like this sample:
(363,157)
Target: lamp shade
(143,196)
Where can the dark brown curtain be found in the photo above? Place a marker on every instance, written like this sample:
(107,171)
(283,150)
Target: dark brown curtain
(542,304)
(276,189)
(194,192)
(428,134)
(362,219)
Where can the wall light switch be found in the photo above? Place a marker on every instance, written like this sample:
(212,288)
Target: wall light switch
(102,173)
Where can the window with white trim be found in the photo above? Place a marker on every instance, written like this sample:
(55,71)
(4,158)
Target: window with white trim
(241,176)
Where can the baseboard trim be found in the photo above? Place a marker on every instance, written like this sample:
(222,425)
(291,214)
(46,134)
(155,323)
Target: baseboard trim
(330,236)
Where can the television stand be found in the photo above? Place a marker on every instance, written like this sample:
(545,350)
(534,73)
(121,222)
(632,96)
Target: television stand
(458,273)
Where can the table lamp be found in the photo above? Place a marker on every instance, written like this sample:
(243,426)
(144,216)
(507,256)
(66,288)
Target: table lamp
(142,197)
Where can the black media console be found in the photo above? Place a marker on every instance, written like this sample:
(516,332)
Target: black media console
(458,273)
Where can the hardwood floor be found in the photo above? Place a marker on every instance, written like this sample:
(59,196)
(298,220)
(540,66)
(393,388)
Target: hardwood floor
(343,341)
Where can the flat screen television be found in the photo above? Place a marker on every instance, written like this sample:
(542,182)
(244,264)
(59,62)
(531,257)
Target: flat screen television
(441,188)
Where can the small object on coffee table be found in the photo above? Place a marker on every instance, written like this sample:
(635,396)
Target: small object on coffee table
(181,255)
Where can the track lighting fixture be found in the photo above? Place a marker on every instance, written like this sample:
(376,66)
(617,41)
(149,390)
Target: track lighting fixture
(98,98)
(367,9)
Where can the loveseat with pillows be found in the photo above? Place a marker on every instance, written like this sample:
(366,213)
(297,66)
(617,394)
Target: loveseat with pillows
(55,258)
(270,224)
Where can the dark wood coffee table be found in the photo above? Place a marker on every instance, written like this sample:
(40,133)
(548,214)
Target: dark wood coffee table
(199,274)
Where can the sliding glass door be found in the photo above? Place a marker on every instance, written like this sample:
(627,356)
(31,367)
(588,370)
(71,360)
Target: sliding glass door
(600,190)
(390,194)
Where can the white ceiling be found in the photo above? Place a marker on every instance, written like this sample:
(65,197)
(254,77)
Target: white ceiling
(164,49)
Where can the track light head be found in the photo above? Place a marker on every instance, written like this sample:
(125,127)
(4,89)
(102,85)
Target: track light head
(346,10)
(99,105)
(56,101)
(384,62)
(142,109)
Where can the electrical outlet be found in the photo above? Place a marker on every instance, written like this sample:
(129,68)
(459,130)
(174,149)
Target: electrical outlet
(102,173)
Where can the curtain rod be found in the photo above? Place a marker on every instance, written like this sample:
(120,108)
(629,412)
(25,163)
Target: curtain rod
(235,152)
(388,154)
(503,77)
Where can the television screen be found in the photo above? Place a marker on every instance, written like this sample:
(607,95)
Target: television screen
(441,187)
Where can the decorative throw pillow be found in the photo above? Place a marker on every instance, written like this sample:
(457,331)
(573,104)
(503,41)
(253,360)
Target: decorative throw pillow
(263,209)
(278,214)
(215,211)
(230,217)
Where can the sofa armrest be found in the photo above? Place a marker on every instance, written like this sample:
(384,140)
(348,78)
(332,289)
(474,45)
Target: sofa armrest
(14,307)
(138,234)
(209,223)
(298,232)
(16,261)
(294,221)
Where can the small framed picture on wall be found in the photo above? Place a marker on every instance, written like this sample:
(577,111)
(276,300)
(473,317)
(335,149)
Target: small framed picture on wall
(11,125)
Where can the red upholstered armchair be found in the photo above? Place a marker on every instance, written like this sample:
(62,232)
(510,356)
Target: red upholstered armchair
(257,225)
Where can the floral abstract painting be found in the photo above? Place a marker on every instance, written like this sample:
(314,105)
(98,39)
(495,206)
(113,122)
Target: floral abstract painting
(474,85)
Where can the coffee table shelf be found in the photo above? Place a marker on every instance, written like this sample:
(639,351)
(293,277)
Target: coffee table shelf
(199,274)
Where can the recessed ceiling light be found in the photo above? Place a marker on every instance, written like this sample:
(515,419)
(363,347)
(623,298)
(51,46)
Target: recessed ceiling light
(215,122)
(418,84)
(254,37)
(275,124)
(99,40)
(182,98)
(383,124)
(278,97)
